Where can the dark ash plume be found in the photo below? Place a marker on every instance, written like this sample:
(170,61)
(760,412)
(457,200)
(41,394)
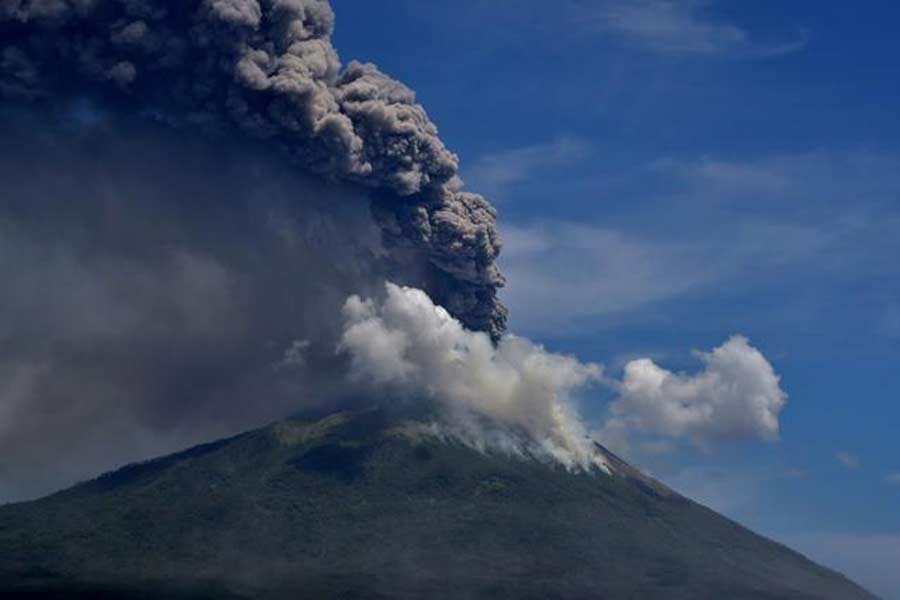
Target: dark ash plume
(267,69)
(189,191)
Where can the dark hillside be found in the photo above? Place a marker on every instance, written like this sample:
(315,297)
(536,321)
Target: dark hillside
(354,506)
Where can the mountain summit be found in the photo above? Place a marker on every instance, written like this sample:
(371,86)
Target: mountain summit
(362,505)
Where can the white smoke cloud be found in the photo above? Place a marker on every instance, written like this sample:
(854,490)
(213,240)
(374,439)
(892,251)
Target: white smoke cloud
(738,395)
(407,342)
(410,345)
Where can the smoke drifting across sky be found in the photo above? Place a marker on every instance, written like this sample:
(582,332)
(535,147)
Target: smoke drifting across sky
(191,192)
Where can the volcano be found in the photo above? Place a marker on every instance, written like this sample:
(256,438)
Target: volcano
(368,505)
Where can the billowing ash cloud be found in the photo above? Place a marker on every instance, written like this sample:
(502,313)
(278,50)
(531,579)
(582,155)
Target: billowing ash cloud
(738,395)
(190,191)
(266,70)
(410,345)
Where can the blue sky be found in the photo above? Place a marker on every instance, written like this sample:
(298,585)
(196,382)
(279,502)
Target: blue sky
(669,175)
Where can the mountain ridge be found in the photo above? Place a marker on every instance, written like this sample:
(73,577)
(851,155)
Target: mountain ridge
(362,505)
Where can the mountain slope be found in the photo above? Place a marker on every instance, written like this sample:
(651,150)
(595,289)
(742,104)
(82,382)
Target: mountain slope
(360,506)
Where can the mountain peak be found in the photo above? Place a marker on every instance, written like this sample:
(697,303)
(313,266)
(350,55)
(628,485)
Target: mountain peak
(367,505)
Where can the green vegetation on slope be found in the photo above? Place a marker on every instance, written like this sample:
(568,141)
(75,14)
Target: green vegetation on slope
(358,506)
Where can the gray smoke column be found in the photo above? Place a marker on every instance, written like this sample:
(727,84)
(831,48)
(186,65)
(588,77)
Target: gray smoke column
(189,192)
(266,70)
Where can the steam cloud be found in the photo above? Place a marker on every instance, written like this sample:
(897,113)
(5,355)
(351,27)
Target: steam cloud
(408,343)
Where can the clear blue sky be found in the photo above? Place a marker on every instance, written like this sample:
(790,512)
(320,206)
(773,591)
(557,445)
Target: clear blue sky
(682,173)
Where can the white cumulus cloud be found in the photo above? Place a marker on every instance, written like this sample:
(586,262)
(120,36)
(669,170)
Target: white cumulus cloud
(737,395)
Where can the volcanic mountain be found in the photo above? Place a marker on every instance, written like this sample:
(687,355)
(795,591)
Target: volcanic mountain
(367,505)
